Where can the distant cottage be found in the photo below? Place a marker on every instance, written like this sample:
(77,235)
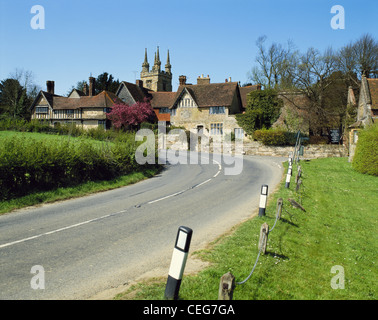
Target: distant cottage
(80,108)
(205,105)
(367,109)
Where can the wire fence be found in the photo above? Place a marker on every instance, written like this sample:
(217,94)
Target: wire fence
(280,207)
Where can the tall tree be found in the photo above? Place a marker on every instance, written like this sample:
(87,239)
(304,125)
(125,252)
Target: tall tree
(106,82)
(359,58)
(311,75)
(272,64)
(17,94)
(262,110)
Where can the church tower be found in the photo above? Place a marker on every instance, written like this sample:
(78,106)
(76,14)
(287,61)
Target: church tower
(156,79)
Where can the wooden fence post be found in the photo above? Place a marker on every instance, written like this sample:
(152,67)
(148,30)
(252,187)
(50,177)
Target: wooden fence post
(299,182)
(226,287)
(263,237)
(279,208)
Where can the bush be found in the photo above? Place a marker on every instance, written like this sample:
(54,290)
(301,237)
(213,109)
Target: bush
(28,165)
(365,159)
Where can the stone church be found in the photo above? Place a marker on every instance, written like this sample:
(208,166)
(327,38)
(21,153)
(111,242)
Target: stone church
(156,79)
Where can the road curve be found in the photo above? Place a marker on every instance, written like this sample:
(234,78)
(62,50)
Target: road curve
(90,244)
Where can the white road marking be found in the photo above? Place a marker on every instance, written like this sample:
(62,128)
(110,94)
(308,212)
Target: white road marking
(58,230)
(106,216)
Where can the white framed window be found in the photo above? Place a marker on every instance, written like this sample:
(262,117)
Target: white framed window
(216,129)
(239,133)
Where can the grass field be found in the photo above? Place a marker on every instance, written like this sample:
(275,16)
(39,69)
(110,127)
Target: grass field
(334,240)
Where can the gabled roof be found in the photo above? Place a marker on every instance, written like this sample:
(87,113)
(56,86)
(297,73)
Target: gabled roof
(209,95)
(48,97)
(244,91)
(104,99)
(138,93)
(373,91)
(79,92)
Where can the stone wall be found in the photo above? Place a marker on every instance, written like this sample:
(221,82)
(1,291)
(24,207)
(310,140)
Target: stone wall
(256,148)
(311,151)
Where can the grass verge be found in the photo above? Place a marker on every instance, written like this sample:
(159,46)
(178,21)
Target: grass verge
(337,230)
(76,191)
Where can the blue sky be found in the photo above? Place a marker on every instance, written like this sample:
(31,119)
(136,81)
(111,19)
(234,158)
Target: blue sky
(210,37)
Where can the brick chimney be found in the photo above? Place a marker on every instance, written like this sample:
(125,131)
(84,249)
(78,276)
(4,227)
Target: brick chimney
(50,86)
(203,80)
(91,86)
(182,80)
(85,89)
(139,83)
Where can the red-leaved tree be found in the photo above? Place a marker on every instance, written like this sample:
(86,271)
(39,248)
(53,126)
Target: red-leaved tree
(126,116)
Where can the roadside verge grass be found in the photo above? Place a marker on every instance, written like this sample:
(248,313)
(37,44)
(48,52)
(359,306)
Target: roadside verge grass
(81,190)
(306,251)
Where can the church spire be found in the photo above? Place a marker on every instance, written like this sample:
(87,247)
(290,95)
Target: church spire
(145,65)
(157,62)
(168,64)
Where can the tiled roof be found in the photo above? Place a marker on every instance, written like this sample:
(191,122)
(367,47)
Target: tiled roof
(138,93)
(373,88)
(162,99)
(209,95)
(104,99)
(244,93)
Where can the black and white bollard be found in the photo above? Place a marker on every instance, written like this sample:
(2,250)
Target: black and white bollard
(263,199)
(287,184)
(291,166)
(179,256)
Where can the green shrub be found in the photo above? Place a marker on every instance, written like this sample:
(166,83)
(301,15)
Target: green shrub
(271,137)
(29,165)
(365,159)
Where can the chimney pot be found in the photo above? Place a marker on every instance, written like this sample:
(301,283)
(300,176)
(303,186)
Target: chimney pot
(139,83)
(85,89)
(50,86)
(91,86)
(182,80)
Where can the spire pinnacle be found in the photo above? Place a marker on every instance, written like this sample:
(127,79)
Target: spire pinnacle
(145,65)
(168,64)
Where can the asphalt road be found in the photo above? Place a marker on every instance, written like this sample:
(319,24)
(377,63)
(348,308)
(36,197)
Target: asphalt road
(91,244)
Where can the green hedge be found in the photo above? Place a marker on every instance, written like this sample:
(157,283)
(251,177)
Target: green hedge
(365,159)
(275,137)
(28,165)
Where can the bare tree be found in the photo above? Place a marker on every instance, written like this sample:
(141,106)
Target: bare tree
(311,74)
(359,58)
(272,64)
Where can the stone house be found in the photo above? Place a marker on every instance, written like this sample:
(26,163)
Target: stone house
(84,109)
(367,109)
(207,106)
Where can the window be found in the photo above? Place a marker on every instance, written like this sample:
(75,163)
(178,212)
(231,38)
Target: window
(173,112)
(217,110)
(239,133)
(102,123)
(107,110)
(216,128)
(42,110)
(69,112)
(164,110)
